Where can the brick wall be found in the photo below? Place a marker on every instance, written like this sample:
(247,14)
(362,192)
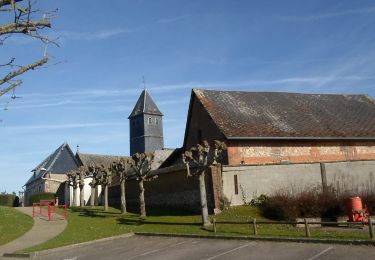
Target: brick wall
(275,152)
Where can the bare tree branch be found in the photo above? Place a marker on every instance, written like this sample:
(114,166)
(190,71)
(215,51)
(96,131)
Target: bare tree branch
(23,69)
(10,87)
(23,27)
(8,2)
(22,21)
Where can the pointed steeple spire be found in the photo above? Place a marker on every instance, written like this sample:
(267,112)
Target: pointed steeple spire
(145,105)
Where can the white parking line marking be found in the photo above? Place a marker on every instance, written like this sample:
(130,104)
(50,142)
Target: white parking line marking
(160,249)
(230,251)
(321,253)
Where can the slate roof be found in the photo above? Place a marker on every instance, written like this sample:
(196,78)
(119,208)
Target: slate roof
(60,161)
(98,159)
(160,156)
(145,105)
(261,115)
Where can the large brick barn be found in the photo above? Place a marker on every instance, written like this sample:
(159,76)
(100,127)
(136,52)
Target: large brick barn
(275,141)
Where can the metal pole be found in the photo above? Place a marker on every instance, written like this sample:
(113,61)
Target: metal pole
(307,229)
(370,228)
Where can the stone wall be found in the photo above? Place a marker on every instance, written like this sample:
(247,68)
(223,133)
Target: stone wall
(172,189)
(242,183)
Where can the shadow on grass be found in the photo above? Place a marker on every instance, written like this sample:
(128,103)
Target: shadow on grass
(141,221)
(93,212)
(163,211)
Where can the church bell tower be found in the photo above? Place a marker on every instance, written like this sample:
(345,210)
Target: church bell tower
(146,126)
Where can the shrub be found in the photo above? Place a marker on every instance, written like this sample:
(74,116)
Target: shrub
(280,206)
(309,203)
(41,196)
(7,200)
(368,199)
(259,201)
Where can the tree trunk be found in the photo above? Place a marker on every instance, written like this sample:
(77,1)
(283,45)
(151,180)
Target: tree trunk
(81,195)
(96,195)
(74,196)
(202,191)
(142,205)
(105,197)
(123,199)
(92,197)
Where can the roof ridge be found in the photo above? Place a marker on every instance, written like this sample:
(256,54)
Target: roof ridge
(61,147)
(280,92)
(79,153)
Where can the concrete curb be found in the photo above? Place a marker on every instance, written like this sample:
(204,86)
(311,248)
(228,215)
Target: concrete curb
(273,239)
(52,250)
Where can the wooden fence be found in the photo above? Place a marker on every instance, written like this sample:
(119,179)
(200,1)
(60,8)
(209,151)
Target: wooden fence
(306,224)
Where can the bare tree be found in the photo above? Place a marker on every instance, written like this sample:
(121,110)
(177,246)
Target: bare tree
(121,168)
(105,179)
(141,165)
(22,21)
(73,181)
(202,157)
(93,171)
(81,173)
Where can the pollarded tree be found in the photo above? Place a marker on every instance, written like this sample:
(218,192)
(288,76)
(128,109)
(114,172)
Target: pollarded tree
(93,171)
(201,156)
(121,169)
(73,180)
(81,173)
(23,21)
(105,179)
(141,165)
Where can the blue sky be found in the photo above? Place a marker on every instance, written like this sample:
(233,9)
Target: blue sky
(93,80)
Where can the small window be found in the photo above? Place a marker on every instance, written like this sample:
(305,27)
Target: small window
(40,188)
(235,184)
(133,123)
(149,120)
(156,121)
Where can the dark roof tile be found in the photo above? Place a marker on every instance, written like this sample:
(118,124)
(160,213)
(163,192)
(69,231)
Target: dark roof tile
(289,115)
(145,105)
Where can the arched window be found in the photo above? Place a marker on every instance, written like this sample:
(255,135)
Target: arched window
(149,120)
(156,121)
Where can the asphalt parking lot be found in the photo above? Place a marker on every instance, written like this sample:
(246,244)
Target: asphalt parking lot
(164,248)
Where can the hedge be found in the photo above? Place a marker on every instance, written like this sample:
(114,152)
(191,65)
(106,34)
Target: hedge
(8,200)
(41,196)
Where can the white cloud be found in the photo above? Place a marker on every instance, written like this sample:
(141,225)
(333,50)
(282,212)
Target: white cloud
(88,36)
(64,126)
(314,17)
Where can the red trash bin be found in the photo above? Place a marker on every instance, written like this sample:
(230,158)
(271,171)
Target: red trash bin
(355,210)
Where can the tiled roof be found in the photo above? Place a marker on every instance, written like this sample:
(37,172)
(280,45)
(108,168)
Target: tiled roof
(98,159)
(60,161)
(240,114)
(160,156)
(145,105)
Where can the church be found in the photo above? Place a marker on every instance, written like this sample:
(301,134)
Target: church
(275,141)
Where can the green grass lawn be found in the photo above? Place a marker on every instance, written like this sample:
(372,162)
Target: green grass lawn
(88,224)
(13,224)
